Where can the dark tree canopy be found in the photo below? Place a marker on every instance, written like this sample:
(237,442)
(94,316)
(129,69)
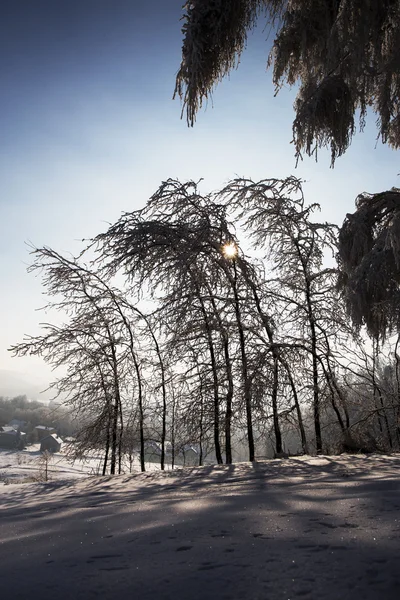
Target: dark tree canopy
(344,54)
(369,256)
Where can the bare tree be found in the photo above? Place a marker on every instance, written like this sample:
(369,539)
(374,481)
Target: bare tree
(177,247)
(208,346)
(276,218)
(183,238)
(94,348)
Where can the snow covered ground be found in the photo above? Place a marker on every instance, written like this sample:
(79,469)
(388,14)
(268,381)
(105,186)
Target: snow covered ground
(25,465)
(314,528)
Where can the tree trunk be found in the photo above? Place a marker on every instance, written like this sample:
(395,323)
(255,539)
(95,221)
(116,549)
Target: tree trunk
(141,411)
(229,397)
(214,369)
(245,374)
(316,399)
(120,441)
(229,375)
(329,377)
(173,432)
(334,388)
(378,392)
(397,412)
(164,416)
(304,443)
(114,436)
(201,431)
(117,405)
(164,397)
(107,438)
(274,395)
(106,452)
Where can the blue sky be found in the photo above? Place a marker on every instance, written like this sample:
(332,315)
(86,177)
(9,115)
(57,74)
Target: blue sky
(89,129)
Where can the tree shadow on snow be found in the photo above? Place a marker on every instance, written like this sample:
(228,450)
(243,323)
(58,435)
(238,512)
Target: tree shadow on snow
(323,528)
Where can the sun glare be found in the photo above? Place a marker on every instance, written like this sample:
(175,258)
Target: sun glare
(229,250)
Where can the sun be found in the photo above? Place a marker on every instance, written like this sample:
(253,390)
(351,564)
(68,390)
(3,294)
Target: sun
(230,250)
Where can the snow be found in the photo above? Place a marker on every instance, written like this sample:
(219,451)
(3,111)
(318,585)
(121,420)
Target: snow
(23,466)
(307,527)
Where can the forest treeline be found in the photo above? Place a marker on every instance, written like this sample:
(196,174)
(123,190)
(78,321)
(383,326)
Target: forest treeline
(215,321)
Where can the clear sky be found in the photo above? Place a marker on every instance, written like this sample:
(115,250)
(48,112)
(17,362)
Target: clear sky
(89,129)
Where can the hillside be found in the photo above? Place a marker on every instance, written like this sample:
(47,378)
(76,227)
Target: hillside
(326,527)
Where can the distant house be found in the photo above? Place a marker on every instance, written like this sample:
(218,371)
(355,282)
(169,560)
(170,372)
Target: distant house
(189,456)
(43,431)
(152,451)
(51,443)
(12,438)
(18,424)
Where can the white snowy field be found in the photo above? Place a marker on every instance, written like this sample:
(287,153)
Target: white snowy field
(314,528)
(21,466)
(25,465)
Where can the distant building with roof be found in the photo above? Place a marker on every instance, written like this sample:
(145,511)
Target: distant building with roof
(43,431)
(11,438)
(18,424)
(187,455)
(51,443)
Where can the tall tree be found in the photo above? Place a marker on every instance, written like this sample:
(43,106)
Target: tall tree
(174,244)
(276,218)
(96,347)
(182,248)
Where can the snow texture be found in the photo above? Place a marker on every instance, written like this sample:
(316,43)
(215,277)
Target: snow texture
(310,528)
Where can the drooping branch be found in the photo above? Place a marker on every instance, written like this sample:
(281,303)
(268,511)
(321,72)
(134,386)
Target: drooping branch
(344,56)
(369,258)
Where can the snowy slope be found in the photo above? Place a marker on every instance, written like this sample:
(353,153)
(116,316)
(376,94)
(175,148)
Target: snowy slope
(20,466)
(314,528)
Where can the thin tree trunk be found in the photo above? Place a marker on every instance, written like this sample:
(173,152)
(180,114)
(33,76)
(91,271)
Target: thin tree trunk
(397,413)
(378,392)
(201,428)
(334,388)
(245,374)
(337,411)
(114,429)
(164,395)
(275,356)
(329,380)
(229,374)
(120,441)
(141,413)
(117,405)
(304,443)
(107,450)
(214,369)
(201,433)
(346,412)
(313,334)
(277,429)
(316,399)
(229,397)
(164,415)
(173,432)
